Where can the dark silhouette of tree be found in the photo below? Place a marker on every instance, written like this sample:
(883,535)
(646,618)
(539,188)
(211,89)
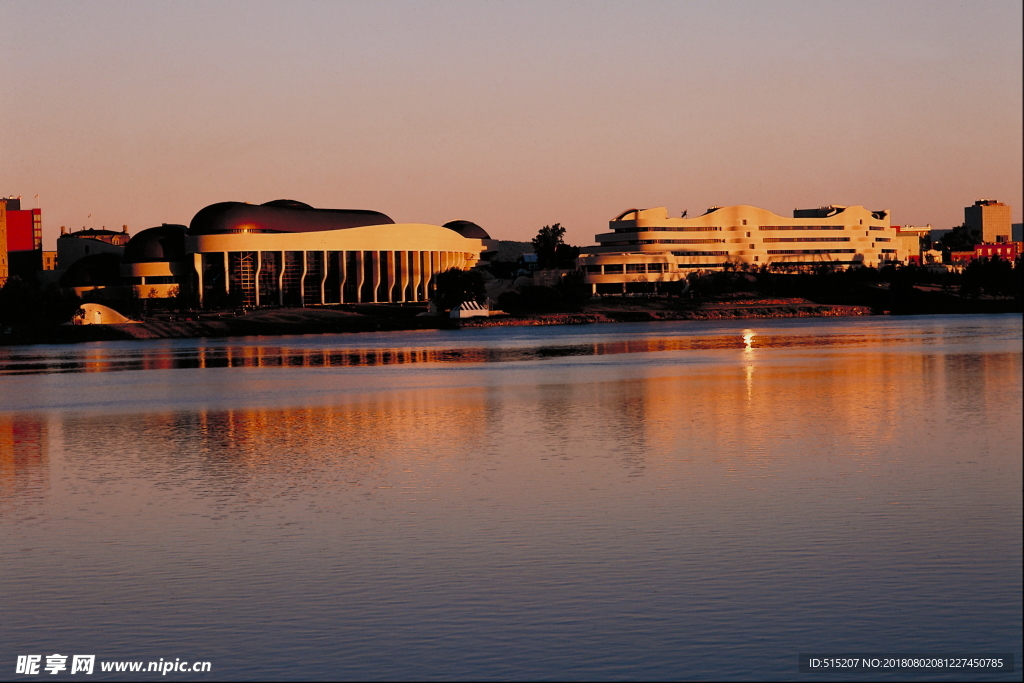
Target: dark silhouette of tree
(551,250)
(455,286)
(962,238)
(993,276)
(24,302)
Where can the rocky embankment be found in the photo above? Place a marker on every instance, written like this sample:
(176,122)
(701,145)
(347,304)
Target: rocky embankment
(634,314)
(383,318)
(257,323)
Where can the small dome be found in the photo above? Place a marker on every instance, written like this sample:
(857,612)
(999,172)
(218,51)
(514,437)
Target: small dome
(154,245)
(467,229)
(287,204)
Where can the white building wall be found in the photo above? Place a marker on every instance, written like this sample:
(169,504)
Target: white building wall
(646,245)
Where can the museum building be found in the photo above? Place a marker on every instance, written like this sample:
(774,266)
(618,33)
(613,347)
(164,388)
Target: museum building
(286,253)
(645,247)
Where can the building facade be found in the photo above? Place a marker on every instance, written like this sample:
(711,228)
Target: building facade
(1007,251)
(645,247)
(74,246)
(286,253)
(991,220)
(4,268)
(155,264)
(910,238)
(24,238)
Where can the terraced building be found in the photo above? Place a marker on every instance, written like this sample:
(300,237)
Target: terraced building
(646,248)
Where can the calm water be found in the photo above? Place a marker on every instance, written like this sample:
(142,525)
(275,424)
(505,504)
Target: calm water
(641,501)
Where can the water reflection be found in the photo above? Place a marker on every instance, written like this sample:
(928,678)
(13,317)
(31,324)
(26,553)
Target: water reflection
(24,462)
(638,519)
(201,355)
(733,415)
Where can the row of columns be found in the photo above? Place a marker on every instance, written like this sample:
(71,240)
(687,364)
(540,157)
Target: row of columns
(412,271)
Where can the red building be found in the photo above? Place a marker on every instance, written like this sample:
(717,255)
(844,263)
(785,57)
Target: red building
(1008,251)
(24,238)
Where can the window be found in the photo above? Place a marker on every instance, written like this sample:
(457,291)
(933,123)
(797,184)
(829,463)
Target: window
(612,268)
(744,223)
(748,234)
(657,267)
(635,268)
(594,269)
(882,239)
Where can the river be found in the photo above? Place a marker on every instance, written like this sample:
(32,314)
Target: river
(692,500)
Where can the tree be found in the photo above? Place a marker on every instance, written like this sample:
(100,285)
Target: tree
(962,238)
(551,250)
(24,302)
(455,286)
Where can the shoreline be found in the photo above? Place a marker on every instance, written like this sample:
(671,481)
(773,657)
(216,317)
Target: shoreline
(808,310)
(279,322)
(354,318)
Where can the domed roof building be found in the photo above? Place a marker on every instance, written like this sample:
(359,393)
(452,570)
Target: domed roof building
(155,262)
(287,253)
(163,243)
(468,229)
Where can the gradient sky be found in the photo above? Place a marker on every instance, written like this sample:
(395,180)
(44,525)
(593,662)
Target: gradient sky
(511,114)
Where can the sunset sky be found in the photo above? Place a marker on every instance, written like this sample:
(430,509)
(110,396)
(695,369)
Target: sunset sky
(510,114)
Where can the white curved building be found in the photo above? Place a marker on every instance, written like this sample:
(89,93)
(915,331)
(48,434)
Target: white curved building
(286,253)
(647,247)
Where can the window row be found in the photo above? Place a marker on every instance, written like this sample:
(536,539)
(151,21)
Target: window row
(801,227)
(691,228)
(812,251)
(693,241)
(806,239)
(619,268)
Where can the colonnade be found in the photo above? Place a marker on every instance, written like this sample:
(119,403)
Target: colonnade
(305,278)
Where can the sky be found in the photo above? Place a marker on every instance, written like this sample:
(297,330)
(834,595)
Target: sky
(514,114)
